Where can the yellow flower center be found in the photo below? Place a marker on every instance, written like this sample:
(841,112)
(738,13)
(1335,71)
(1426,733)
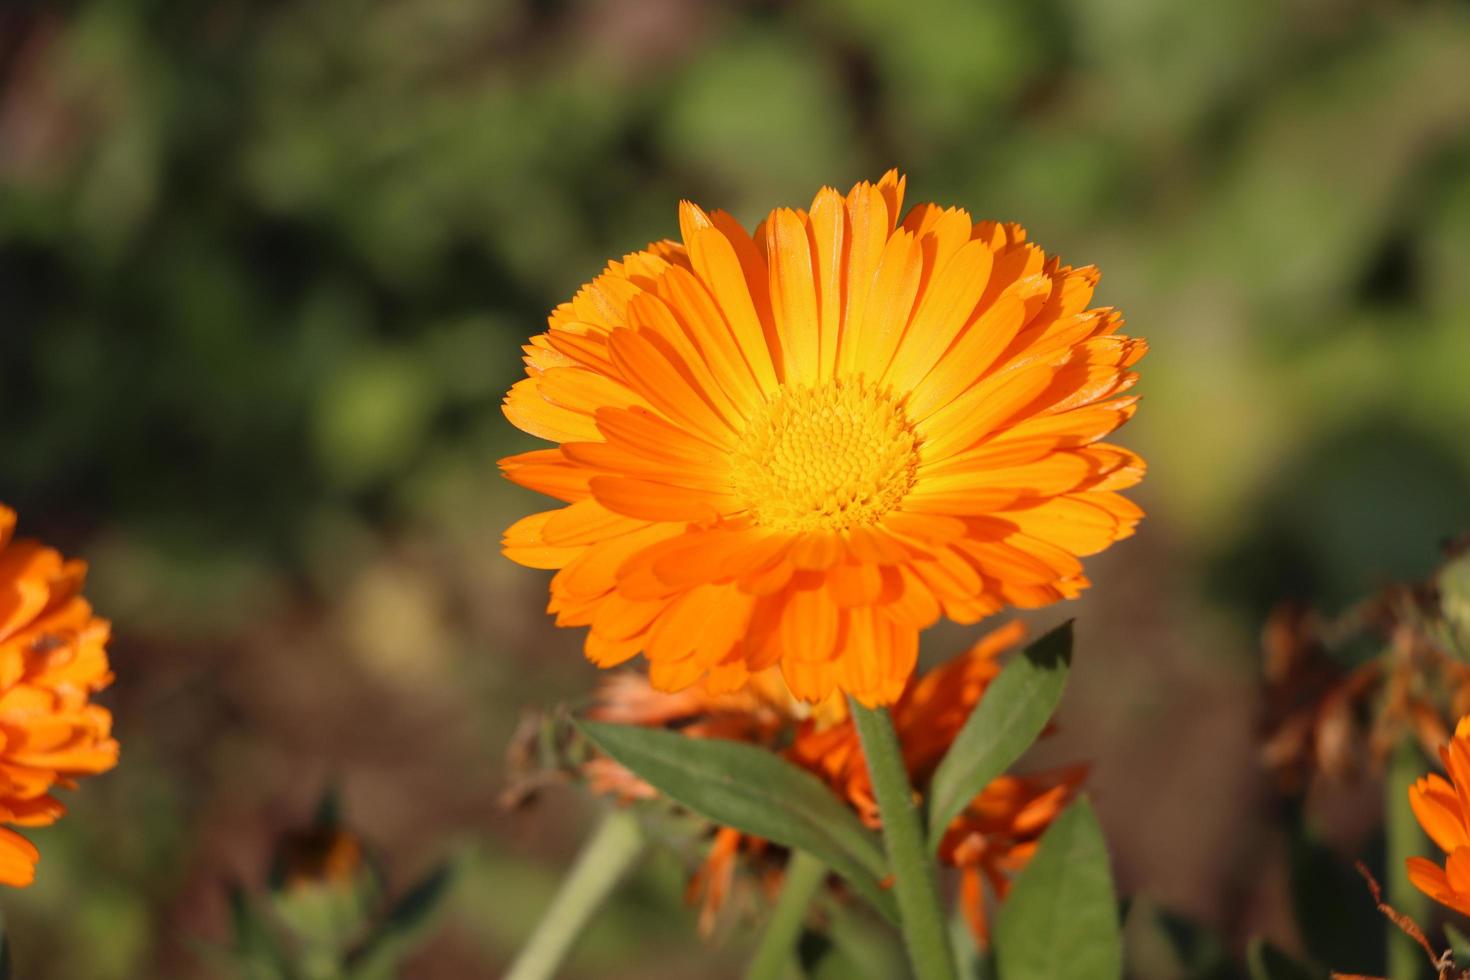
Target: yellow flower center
(826,458)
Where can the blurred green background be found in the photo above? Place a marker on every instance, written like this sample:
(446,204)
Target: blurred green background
(265,268)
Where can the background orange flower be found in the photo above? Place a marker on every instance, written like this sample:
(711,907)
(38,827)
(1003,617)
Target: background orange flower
(53,657)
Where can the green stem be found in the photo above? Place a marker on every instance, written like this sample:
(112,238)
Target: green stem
(804,876)
(1402,840)
(609,853)
(915,878)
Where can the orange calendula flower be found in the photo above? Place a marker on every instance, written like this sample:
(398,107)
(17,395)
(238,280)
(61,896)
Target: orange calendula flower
(52,658)
(989,842)
(1443,809)
(802,446)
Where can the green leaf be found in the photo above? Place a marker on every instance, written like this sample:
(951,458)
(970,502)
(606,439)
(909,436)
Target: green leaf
(756,792)
(1060,920)
(257,951)
(405,923)
(1161,945)
(973,962)
(416,908)
(328,814)
(852,945)
(1459,942)
(1012,713)
(1266,962)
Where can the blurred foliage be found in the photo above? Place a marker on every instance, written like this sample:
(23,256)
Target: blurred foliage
(325,916)
(266,265)
(1160,945)
(1269,963)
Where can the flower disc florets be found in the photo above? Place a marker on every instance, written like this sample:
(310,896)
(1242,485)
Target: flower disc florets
(826,457)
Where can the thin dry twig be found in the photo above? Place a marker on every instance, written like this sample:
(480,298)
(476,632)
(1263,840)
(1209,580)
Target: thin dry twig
(1443,963)
(1406,925)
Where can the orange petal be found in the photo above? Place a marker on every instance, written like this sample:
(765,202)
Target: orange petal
(18,858)
(523,544)
(817,550)
(718,267)
(808,628)
(828,231)
(949,302)
(869,223)
(1438,811)
(793,295)
(656,373)
(529,411)
(976,348)
(708,331)
(981,409)
(586,522)
(874,337)
(1428,877)
(656,501)
(1457,872)
(547,471)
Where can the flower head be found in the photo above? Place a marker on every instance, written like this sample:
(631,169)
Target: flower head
(989,841)
(1443,809)
(53,657)
(799,448)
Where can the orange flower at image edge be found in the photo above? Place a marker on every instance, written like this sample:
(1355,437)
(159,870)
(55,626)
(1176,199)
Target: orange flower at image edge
(1443,810)
(989,842)
(52,658)
(803,446)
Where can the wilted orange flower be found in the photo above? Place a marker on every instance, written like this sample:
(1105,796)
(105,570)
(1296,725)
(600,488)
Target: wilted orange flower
(990,841)
(1312,702)
(1326,718)
(52,658)
(803,446)
(998,833)
(1443,810)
